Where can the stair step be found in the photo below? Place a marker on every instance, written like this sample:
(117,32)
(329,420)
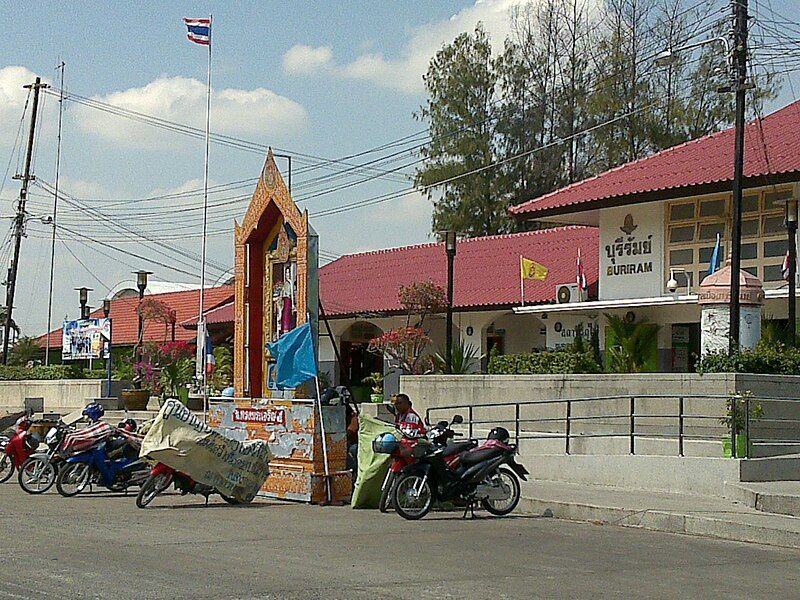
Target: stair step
(779,497)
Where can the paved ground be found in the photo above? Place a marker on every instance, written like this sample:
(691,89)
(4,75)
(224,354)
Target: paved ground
(102,546)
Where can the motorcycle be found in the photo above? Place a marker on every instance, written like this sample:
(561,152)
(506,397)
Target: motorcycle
(113,463)
(161,476)
(441,436)
(17,449)
(38,473)
(487,474)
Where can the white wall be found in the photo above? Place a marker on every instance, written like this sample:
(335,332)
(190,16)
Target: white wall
(562,328)
(638,272)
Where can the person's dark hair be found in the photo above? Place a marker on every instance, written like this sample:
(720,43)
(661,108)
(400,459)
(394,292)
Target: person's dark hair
(404,397)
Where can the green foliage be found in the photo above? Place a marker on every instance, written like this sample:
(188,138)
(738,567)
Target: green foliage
(741,401)
(25,350)
(376,381)
(632,344)
(766,358)
(52,372)
(566,67)
(223,368)
(96,374)
(464,355)
(543,363)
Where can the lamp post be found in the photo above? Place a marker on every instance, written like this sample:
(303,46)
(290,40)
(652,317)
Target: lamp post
(790,215)
(738,56)
(83,295)
(450,242)
(106,312)
(141,284)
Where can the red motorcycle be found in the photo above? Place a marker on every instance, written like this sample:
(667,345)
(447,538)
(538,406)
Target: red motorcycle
(404,454)
(161,476)
(17,449)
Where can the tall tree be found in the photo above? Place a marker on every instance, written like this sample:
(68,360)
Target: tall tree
(461,113)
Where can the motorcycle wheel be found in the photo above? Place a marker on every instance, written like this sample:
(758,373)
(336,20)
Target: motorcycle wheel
(387,498)
(37,475)
(6,468)
(151,488)
(413,497)
(73,479)
(500,508)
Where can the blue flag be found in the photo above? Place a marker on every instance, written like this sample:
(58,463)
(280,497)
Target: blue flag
(294,353)
(716,258)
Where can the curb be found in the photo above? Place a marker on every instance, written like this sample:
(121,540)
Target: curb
(708,525)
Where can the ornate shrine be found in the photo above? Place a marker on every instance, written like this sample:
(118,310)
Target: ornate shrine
(276,279)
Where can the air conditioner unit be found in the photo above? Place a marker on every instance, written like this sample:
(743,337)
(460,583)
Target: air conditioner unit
(567,293)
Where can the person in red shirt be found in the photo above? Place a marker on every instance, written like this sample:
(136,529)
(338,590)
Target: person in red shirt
(406,418)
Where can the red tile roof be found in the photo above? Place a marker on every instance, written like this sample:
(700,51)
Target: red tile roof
(226,313)
(486,271)
(125,322)
(704,165)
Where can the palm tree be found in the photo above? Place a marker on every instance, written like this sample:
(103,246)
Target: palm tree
(632,344)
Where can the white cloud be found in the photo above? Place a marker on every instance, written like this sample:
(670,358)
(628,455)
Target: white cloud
(12,98)
(405,71)
(303,60)
(259,112)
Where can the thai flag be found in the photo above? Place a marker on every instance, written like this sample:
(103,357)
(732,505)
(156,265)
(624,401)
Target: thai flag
(199,31)
(580,275)
(785,267)
(211,362)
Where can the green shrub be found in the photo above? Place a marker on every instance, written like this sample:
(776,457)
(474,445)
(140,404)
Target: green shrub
(543,363)
(11,373)
(766,359)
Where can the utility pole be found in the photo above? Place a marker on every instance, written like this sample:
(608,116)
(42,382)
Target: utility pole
(61,66)
(739,87)
(19,219)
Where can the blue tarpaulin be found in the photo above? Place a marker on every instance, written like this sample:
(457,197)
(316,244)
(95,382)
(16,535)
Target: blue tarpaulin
(294,355)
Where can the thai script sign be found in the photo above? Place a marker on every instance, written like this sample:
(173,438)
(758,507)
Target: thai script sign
(628,247)
(180,440)
(268,416)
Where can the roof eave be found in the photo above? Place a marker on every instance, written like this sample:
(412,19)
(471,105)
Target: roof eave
(715,187)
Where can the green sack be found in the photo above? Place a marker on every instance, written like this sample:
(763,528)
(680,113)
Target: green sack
(371,467)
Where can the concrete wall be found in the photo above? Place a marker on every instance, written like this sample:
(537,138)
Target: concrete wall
(60,396)
(485,392)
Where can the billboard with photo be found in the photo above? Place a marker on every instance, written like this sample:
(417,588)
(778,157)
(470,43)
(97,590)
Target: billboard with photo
(86,338)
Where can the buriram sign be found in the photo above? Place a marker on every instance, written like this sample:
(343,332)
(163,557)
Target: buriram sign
(631,251)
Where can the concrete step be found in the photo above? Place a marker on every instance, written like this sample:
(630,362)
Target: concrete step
(780,497)
(770,449)
(674,513)
(775,468)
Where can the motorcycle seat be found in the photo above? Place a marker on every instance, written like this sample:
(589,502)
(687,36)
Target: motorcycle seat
(476,456)
(457,447)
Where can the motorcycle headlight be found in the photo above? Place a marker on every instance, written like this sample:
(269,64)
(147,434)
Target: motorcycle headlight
(51,437)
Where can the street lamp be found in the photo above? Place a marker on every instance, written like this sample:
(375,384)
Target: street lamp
(737,54)
(141,284)
(106,312)
(450,242)
(106,307)
(790,215)
(83,295)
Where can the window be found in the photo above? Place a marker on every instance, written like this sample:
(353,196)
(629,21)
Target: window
(692,227)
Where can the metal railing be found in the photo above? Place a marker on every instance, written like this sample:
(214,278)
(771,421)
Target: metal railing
(634,418)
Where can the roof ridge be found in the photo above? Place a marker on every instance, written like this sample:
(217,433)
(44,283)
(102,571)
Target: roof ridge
(516,234)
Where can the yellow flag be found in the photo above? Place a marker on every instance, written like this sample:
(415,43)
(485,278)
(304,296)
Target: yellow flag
(530,269)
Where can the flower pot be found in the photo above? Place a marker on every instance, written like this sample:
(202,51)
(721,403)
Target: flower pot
(741,446)
(194,402)
(376,397)
(135,399)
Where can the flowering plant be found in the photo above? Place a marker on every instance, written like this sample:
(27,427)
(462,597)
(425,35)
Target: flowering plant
(404,347)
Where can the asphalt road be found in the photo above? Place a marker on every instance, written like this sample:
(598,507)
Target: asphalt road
(102,546)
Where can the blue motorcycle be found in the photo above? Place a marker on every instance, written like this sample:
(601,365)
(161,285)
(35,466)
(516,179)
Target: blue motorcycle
(113,464)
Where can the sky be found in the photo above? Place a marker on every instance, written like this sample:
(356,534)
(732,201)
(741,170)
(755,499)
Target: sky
(312,79)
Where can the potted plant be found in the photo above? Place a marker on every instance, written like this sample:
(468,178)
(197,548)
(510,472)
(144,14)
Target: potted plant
(146,377)
(376,381)
(740,402)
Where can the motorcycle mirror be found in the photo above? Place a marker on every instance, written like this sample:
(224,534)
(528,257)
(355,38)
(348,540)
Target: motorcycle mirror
(391,409)
(458,420)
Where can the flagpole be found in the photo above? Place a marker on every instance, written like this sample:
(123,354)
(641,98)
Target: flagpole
(521,283)
(202,322)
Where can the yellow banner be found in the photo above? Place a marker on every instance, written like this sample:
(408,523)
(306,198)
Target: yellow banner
(180,440)
(530,269)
